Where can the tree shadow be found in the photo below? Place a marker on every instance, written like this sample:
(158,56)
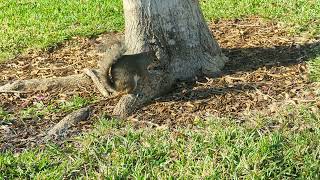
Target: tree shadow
(247,60)
(250,59)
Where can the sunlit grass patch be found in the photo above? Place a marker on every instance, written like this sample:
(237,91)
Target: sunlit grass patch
(315,69)
(39,24)
(297,16)
(314,64)
(285,145)
(39,109)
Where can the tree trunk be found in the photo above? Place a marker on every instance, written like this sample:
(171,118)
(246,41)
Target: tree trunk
(175,30)
(178,33)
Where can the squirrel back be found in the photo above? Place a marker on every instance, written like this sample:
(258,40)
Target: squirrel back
(120,72)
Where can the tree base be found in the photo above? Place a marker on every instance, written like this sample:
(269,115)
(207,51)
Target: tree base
(157,84)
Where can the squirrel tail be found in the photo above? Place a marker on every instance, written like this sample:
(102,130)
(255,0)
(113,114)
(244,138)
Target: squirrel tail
(109,57)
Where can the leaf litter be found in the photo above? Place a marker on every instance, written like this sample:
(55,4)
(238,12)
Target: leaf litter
(266,69)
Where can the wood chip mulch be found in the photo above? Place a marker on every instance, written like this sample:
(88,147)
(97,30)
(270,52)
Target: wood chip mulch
(267,69)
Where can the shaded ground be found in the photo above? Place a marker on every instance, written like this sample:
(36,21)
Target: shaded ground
(266,69)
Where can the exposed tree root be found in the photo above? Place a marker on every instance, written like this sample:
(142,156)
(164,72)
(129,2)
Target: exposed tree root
(46,84)
(14,92)
(155,86)
(60,130)
(92,74)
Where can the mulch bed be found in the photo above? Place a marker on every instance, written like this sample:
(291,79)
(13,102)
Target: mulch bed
(267,68)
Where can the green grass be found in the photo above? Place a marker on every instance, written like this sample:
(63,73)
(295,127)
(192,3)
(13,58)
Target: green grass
(38,109)
(75,103)
(30,24)
(286,146)
(297,15)
(4,115)
(314,64)
(283,146)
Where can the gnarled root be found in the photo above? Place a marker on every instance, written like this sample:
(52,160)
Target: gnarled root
(60,130)
(96,81)
(45,84)
(156,85)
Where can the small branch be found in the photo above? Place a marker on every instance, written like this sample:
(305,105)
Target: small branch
(144,122)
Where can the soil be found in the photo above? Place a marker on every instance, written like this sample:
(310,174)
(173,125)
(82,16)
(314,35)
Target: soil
(267,69)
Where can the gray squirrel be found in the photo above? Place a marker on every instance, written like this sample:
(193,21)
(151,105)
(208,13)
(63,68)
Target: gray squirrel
(120,72)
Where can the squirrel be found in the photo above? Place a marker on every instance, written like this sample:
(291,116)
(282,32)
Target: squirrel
(120,72)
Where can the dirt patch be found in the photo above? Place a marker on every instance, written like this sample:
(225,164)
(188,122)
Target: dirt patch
(266,68)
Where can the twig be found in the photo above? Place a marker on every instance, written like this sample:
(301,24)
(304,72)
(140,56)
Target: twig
(144,122)
(53,68)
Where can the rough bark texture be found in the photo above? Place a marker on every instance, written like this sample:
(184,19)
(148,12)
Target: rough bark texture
(59,130)
(175,30)
(178,33)
(156,85)
(46,84)
(96,81)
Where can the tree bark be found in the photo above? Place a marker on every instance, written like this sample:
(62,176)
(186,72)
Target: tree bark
(46,84)
(180,37)
(177,32)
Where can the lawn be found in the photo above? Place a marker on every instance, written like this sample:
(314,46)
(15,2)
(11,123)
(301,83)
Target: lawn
(283,145)
(42,24)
